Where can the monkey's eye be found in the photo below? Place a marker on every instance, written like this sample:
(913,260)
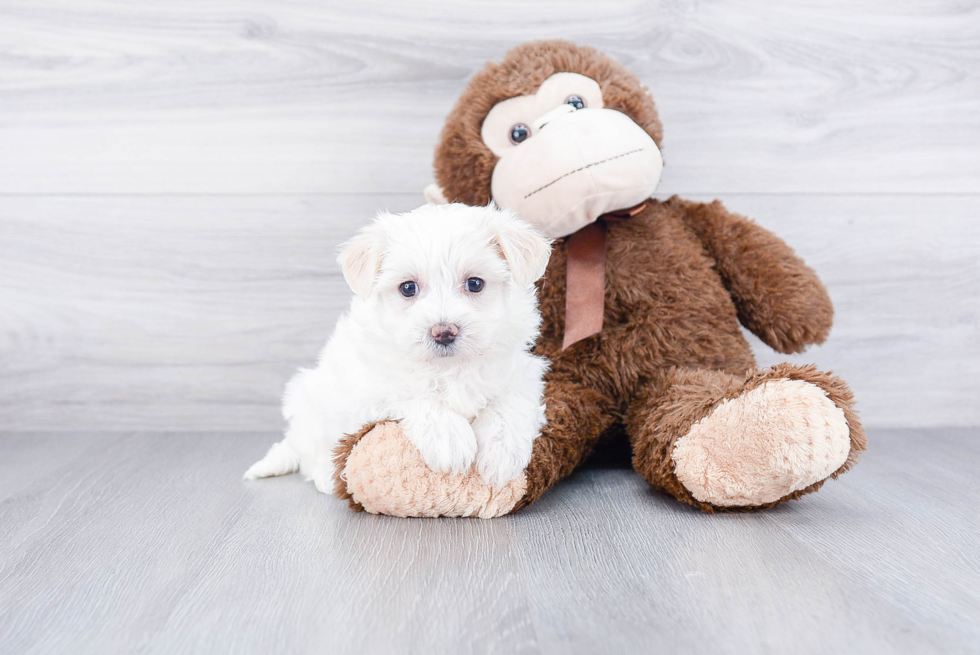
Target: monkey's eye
(474,285)
(408,289)
(575,101)
(519,133)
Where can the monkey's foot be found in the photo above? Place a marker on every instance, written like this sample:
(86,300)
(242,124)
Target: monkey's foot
(381,472)
(763,445)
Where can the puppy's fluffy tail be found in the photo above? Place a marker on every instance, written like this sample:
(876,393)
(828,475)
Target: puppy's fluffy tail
(280,460)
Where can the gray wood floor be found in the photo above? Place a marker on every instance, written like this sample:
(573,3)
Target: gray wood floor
(128,542)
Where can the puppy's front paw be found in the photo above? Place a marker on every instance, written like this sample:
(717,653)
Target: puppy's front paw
(323,478)
(445,441)
(502,455)
(500,463)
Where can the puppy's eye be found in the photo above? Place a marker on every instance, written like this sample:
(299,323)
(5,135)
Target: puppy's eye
(519,133)
(575,101)
(408,289)
(474,285)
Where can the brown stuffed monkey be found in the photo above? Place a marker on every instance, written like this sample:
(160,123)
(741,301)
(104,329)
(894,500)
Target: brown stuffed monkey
(641,304)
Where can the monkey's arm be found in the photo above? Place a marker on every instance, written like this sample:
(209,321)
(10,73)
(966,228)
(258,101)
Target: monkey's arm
(779,298)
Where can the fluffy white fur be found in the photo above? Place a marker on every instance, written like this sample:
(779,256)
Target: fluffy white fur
(476,399)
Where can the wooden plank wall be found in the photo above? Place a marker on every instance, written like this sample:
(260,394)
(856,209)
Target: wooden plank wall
(175,177)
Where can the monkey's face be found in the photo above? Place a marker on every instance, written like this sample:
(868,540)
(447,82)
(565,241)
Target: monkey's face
(556,132)
(565,159)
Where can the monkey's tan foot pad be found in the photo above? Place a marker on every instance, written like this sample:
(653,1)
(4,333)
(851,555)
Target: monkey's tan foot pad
(381,472)
(769,442)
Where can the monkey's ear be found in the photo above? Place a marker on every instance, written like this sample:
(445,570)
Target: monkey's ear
(360,258)
(433,193)
(527,252)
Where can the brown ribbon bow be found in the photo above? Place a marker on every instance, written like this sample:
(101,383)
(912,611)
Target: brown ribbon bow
(585,277)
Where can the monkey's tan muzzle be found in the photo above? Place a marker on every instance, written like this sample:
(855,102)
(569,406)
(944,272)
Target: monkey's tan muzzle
(579,166)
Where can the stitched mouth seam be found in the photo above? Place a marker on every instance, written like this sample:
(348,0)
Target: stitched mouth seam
(582,168)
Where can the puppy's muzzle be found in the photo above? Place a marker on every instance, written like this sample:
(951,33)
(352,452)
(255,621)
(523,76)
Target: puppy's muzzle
(444,333)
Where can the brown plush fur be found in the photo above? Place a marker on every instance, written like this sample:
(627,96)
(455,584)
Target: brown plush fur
(669,308)
(341,453)
(771,287)
(680,278)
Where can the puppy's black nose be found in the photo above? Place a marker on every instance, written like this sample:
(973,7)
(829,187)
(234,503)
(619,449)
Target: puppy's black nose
(444,334)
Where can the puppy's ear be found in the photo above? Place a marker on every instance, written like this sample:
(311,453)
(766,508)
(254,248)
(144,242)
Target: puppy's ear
(360,258)
(433,194)
(527,252)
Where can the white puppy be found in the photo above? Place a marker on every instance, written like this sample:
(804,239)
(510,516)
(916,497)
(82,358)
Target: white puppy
(437,336)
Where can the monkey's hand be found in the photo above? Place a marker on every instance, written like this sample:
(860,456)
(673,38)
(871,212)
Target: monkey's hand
(778,297)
